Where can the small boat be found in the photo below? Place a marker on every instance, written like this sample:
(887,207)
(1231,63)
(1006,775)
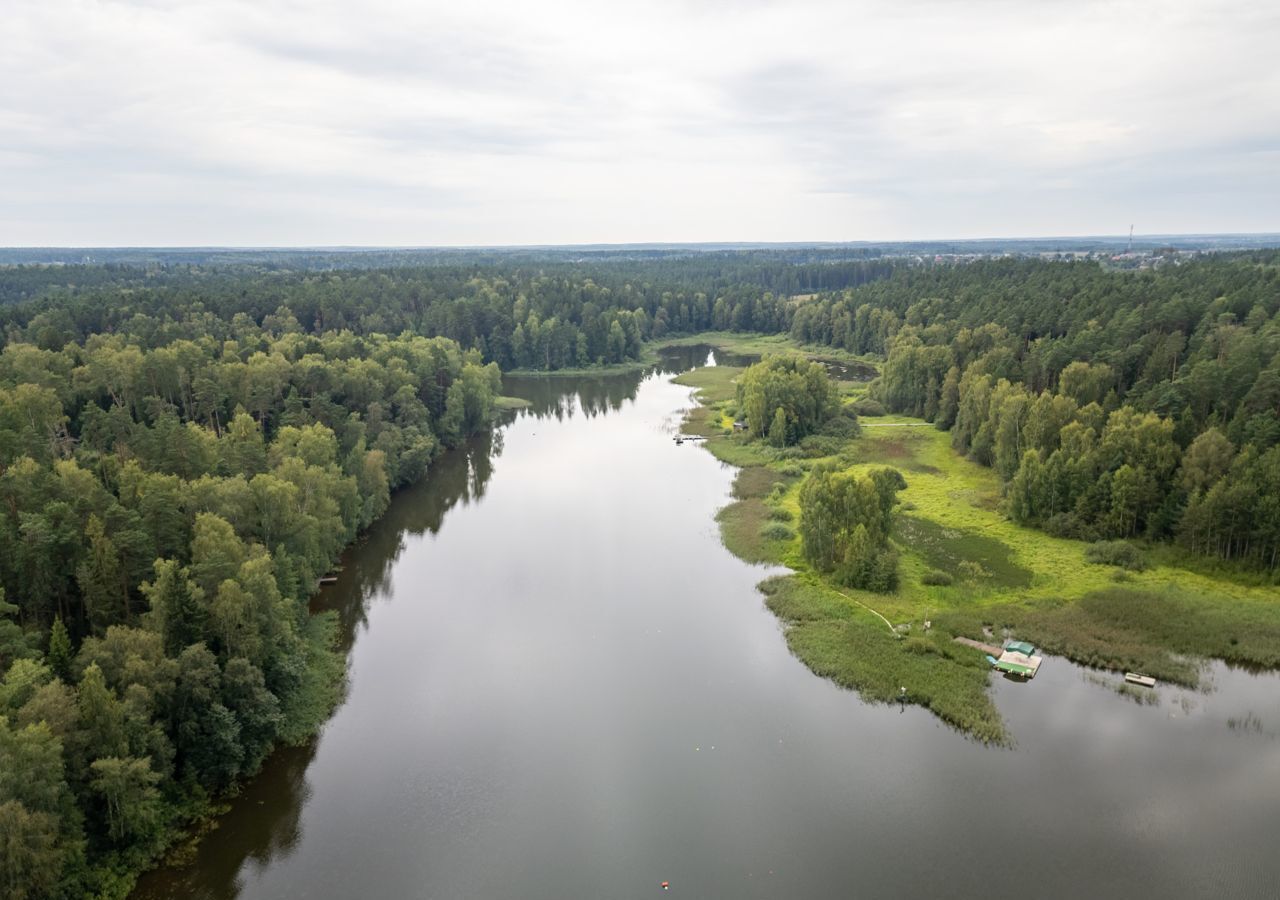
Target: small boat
(1135,678)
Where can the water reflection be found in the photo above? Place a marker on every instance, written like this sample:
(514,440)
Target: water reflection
(560,398)
(572,690)
(264,823)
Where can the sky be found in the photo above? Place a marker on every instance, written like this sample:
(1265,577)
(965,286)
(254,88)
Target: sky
(403,123)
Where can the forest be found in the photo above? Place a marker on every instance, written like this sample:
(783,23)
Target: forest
(1111,405)
(187,447)
(170,492)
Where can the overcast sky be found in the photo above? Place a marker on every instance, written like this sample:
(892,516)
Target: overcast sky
(393,122)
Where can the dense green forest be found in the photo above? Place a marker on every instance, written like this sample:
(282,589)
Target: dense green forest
(1113,405)
(547,316)
(185,448)
(170,491)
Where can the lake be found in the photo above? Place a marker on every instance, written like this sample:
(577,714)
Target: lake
(561,685)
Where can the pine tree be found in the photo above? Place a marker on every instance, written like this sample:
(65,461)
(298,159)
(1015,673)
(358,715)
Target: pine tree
(59,657)
(101,580)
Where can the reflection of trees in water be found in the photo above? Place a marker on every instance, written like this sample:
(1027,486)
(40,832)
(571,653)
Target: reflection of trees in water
(459,476)
(674,360)
(560,398)
(264,823)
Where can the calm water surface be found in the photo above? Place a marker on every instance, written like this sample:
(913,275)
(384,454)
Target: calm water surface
(562,686)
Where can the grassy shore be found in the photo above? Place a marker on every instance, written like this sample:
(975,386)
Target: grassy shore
(764,344)
(505,404)
(968,571)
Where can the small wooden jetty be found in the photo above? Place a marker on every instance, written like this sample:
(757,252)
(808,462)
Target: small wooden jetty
(681,438)
(1144,680)
(988,649)
(329,579)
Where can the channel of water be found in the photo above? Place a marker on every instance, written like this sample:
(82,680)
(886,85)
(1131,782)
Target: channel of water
(562,685)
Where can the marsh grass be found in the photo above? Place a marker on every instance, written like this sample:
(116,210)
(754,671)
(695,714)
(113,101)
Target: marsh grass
(850,646)
(764,344)
(959,552)
(744,530)
(757,481)
(971,571)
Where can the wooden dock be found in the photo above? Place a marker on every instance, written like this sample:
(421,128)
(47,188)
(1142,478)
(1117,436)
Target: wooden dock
(1004,659)
(1144,680)
(1014,663)
(989,649)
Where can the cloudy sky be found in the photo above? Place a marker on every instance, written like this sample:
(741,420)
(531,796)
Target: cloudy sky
(393,122)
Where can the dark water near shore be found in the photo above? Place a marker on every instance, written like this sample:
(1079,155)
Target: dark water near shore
(562,686)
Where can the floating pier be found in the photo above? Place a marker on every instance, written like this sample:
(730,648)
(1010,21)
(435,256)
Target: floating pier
(1015,658)
(1014,663)
(1144,680)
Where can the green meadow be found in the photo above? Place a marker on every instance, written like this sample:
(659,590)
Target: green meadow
(966,570)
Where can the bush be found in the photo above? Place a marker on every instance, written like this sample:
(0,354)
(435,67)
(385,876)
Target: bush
(868,407)
(878,573)
(937,579)
(1066,525)
(790,470)
(777,531)
(780,514)
(817,445)
(843,424)
(1116,553)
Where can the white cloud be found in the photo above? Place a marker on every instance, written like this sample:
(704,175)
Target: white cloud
(423,123)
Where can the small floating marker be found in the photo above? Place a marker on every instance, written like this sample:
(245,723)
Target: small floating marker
(666,885)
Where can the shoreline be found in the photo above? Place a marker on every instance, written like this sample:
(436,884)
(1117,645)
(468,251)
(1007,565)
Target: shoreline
(969,572)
